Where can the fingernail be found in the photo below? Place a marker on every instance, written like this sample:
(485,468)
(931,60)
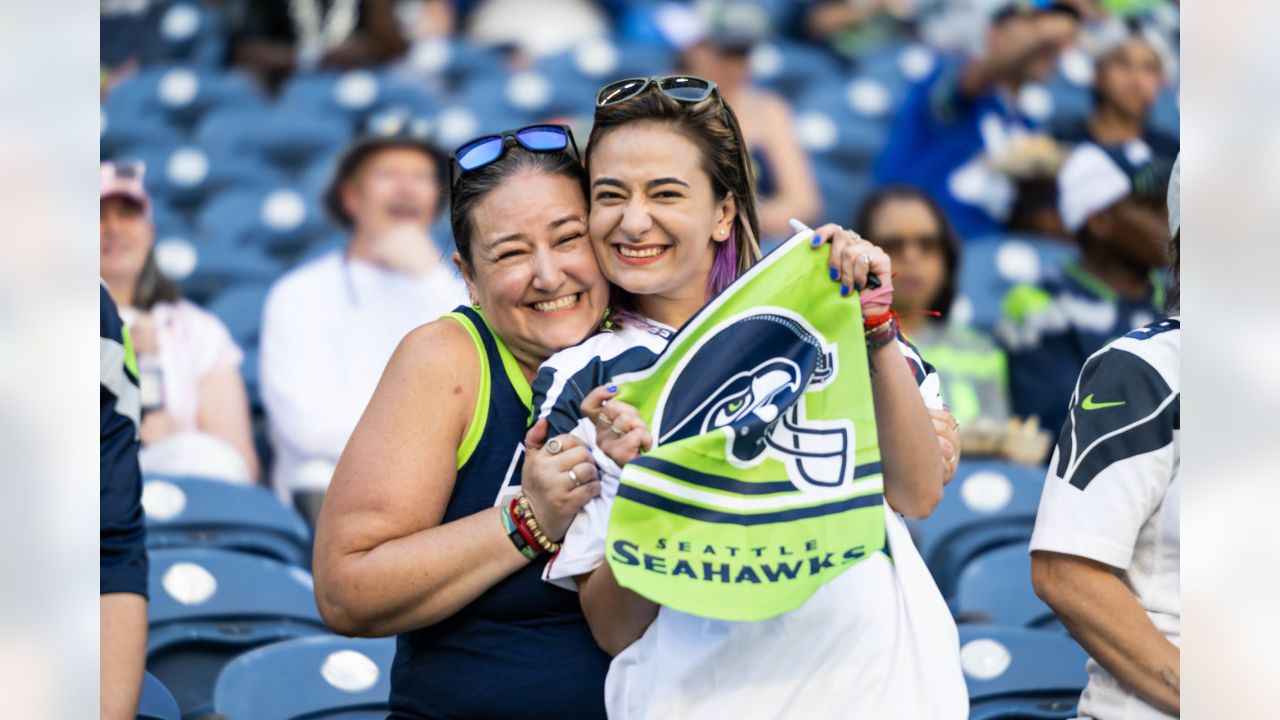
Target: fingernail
(844,291)
(834,273)
(612,388)
(857,286)
(815,242)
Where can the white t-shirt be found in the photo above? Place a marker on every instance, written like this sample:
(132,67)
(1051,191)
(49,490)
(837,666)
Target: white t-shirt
(875,642)
(1112,495)
(191,344)
(328,329)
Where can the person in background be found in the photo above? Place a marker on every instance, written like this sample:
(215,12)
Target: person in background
(852,28)
(784,179)
(1132,64)
(330,325)
(195,410)
(1106,549)
(1115,207)
(275,38)
(122,553)
(962,121)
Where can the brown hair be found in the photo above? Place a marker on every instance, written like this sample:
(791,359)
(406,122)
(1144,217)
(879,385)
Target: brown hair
(712,126)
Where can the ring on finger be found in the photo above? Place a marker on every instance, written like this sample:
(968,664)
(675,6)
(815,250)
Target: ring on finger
(554,446)
(573,476)
(866,258)
(604,419)
(614,429)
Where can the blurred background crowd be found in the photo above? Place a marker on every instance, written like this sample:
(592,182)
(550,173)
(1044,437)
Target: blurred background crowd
(1012,157)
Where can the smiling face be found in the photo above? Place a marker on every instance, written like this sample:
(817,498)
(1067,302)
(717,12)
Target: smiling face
(392,187)
(532,270)
(125,238)
(655,218)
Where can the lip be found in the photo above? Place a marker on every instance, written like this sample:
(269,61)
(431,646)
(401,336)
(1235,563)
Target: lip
(617,253)
(578,297)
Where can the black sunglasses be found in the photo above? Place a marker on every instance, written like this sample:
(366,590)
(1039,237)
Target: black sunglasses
(482,151)
(683,88)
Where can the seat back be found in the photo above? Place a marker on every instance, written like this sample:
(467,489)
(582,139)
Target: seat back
(996,587)
(1005,663)
(156,702)
(327,677)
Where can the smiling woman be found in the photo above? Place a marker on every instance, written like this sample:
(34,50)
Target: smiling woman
(425,532)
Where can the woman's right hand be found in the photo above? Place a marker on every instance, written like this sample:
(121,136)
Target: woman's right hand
(620,431)
(557,484)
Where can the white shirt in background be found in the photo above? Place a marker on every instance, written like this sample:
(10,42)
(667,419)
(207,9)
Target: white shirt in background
(328,329)
(191,344)
(1112,491)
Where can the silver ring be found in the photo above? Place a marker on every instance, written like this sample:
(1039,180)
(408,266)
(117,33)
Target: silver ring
(866,257)
(574,477)
(554,446)
(603,419)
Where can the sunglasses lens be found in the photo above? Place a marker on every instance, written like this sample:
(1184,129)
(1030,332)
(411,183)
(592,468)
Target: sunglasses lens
(480,153)
(686,89)
(543,138)
(619,91)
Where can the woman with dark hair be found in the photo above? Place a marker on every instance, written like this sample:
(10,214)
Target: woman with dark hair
(419,535)
(673,223)
(195,411)
(925,248)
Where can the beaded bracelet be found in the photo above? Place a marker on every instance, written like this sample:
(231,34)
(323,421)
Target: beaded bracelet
(517,539)
(882,334)
(525,511)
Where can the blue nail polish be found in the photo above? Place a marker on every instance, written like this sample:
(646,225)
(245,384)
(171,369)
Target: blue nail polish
(844,291)
(834,273)
(815,242)
(612,388)
(857,286)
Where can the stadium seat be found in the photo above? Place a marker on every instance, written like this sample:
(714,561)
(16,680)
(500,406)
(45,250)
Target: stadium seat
(990,266)
(995,587)
(449,62)
(285,137)
(349,96)
(205,267)
(842,191)
(988,504)
(123,129)
(179,94)
(1021,673)
(279,218)
(156,702)
(201,513)
(1166,116)
(327,677)
(791,68)
(897,66)
(843,122)
(208,606)
(240,309)
(186,31)
(185,175)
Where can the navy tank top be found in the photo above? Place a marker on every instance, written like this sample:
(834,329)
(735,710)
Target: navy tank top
(522,648)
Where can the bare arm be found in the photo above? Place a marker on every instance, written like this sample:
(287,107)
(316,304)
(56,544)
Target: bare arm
(224,411)
(123,618)
(617,616)
(1106,619)
(797,194)
(383,561)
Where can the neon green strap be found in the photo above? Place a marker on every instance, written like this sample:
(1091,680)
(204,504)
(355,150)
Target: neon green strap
(481,414)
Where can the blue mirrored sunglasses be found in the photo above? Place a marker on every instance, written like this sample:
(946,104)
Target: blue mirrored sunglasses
(486,150)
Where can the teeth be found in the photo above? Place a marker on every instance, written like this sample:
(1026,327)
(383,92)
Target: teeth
(567,301)
(646,253)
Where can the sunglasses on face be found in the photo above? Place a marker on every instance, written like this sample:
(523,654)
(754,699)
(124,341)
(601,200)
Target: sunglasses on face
(487,150)
(897,244)
(681,88)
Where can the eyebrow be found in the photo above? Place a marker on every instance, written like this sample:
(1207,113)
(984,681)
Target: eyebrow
(648,185)
(571,217)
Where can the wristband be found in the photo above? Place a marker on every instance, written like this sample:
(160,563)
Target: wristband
(523,513)
(513,532)
(882,333)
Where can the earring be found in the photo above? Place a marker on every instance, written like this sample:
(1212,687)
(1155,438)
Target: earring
(723,232)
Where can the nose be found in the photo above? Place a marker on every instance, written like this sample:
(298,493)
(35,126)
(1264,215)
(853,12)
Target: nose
(635,219)
(548,275)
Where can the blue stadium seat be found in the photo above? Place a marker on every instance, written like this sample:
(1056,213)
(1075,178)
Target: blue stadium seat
(995,587)
(897,66)
(208,606)
(350,96)
(327,677)
(156,702)
(200,513)
(287,137)
(180,94)
(278,219)
(835,125)
(990,266)
(988,504)
(842,191)
(449,62)
(187,175)
(1021,673)
(1166,116)
(240,309)
(125,129)
(210,266)
(186,31)
(791,68)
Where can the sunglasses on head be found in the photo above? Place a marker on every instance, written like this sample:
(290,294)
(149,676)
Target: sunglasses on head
(682,88)
(475,154)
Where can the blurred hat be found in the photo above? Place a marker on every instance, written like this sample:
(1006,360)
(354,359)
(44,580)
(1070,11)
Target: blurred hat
(396,128)
(1002,11)
(124,180)
(725,25)
(1102,38)
(1093,179)
(1175,197)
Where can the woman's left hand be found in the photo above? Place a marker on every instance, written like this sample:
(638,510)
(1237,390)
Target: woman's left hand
(948,430)
(620,431)
(852,260)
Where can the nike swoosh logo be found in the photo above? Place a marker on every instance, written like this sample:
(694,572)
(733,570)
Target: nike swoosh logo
(1089,404)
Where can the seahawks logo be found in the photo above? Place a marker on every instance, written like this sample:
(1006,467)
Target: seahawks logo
(771,358)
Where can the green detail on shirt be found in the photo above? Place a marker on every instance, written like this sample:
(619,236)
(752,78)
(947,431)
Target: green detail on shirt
(1023,300)
(512,368)
(480,417)
(130,357)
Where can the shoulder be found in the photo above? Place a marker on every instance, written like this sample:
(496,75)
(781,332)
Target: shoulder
(444,341)
(193,317)
(1156,346)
